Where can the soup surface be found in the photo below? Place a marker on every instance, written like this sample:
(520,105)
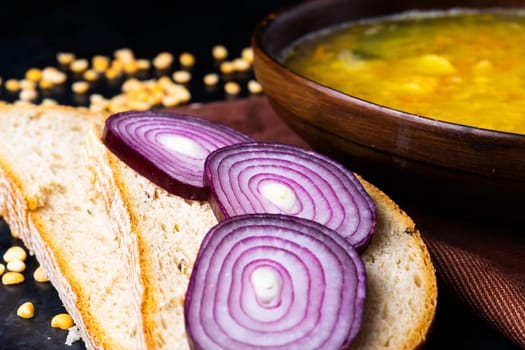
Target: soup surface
(463,67)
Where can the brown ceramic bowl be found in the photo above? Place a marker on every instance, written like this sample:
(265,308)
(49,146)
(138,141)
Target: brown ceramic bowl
(454,165)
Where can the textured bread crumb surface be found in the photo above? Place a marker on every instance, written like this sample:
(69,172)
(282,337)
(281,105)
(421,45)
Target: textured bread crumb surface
(168,230)
(401,284)
(50,203)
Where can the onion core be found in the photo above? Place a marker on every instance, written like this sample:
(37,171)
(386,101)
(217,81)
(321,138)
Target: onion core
(272,281)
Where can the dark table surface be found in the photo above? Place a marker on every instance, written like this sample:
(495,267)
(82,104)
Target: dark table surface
(31,33)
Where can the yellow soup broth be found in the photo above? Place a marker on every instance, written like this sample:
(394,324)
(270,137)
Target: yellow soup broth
(462,67)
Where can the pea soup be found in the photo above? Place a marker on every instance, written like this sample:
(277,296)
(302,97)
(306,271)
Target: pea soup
(465,67)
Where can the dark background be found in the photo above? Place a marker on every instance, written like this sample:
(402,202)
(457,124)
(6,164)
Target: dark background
(31,34)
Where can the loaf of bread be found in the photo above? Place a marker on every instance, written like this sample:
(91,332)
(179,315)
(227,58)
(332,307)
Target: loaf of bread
(162,233)
(120,250)
(46,198)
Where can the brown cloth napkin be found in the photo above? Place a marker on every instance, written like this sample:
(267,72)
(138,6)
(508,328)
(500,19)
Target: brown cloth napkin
(482,264)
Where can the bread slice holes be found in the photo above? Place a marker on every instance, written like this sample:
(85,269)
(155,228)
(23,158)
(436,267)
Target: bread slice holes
(417,281)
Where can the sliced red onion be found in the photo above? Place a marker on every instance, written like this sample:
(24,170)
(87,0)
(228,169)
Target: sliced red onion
(277,178)
(168,148)
(272,281)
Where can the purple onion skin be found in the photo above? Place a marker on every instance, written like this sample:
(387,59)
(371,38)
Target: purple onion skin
(221,212)
(144,165)
(229,242)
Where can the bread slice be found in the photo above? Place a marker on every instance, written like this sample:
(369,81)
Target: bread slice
(160,234)
(163,233)
(46,198)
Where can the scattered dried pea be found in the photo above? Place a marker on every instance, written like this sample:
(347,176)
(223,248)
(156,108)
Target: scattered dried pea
(62,321)
(90,75)
(79,65)
(26,310)
(219,52)
(33,74)
(227,67)
(11,278)
(28,94)
(53,75)
(27,84)
(182,76)
(240,65)
(45,84)
(2,269)
(124,55)
(143,64)
(211,79)
(39,275)
(15,253)
(16,266)
(65,58)
(100,63)
(247,54)
(12,85)
(232,88)
(163,60)
(186,59)
(80,87)
(254,87)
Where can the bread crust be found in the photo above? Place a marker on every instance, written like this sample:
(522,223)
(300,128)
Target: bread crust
(26,221)
(389,212)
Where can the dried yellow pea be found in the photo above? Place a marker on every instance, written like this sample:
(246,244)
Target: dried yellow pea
(79,65)
(15,253)
(219,52)
(247,54)
(62,321)
(181,76)
(232,88)
(12,85)
(33,74)
(26,310)
(254,87)
(65,58)
(2,269)
(53,75)
(143,64)
(40,275)
(211,79)
(16,266)
(124,55)
(28,94)
(100,63)
(240,65)
(90,75)
(187,59)
(227,67)
(163,60)
(80,87)
(11,278)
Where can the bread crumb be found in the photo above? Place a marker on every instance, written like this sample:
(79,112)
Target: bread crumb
(73,335)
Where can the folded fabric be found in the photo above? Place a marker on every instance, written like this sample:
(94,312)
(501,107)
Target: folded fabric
(483,265)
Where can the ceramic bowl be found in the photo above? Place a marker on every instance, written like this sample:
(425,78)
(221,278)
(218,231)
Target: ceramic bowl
(439,162)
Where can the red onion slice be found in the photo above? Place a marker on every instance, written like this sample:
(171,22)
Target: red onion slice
(277,178)
(168,148)
(271,281)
